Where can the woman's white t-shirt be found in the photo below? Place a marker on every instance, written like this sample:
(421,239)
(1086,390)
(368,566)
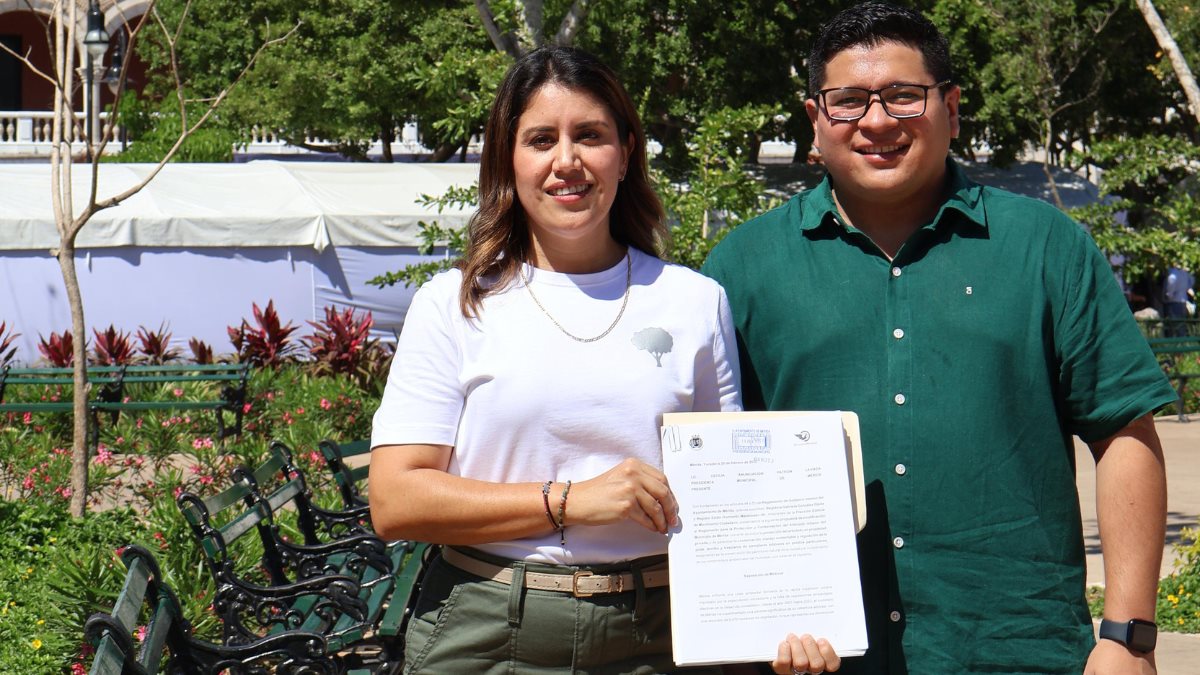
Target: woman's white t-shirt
(520,401)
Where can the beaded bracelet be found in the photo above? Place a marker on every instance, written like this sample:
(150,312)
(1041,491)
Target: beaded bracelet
(546,502)
(562,511)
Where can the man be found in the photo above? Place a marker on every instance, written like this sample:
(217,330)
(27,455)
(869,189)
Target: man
(974,332)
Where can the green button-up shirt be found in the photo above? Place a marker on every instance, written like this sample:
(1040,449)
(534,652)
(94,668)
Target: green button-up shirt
(996,333)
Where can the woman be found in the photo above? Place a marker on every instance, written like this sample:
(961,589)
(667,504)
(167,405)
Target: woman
(519,426)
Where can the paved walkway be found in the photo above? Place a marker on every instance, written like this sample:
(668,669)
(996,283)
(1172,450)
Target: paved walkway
(1177,654)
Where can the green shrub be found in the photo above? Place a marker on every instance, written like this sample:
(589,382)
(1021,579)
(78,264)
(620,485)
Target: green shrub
(1179,592)
(55,572)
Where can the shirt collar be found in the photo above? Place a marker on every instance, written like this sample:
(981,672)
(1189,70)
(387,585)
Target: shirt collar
(964,196)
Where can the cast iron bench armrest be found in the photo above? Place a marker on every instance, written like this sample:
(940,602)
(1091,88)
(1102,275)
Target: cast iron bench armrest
(112,635)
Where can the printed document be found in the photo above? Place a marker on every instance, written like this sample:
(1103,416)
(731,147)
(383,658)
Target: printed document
(769,504)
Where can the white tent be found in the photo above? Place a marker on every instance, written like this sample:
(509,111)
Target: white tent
(202,242)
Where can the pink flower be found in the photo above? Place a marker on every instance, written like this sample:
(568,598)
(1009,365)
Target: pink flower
(314,457)
(139,423)
(103,456)
(245,408)
(78,669)
(204,442)
(177,491)
(178,392)
(27,483)
(270,396)
(140,634)
(287,418)
(196,468)
(206,480)
(325,404)
(300,410)
(27,418)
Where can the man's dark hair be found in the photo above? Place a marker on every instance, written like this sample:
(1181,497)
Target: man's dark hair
(871,23)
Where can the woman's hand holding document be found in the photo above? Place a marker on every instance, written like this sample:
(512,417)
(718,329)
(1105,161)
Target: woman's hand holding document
(769,504)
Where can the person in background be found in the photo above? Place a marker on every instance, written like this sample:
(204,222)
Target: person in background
(974,332)
(519,427)
(1177,292)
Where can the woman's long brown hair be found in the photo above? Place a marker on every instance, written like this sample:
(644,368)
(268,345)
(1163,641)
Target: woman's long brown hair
(498,233)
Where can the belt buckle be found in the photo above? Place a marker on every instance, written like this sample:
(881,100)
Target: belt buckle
(616,584)
(575,577)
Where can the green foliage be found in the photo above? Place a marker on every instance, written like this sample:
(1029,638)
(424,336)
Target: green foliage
(352,73)
(694,59)
(716,193)
(1153,182)
(157,125)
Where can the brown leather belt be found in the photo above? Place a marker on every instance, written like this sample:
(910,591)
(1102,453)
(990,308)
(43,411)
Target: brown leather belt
(581,583)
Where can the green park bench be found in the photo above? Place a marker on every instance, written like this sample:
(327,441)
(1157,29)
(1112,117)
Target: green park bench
(1172,354)
(168,645)
(113,394)
(340,581)
(346,476)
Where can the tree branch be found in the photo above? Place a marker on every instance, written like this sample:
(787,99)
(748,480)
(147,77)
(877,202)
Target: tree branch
(1165,41)
(186,132)
(503,42)
(531,18)
(572,22)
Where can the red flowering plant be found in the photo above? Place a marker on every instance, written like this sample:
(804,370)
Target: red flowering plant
(155,345)
(342,345)
(7,351)
(269,343)
(112,347)
(202,353)
(58,349)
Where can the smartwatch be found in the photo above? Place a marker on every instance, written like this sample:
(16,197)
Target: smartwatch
(1137,635)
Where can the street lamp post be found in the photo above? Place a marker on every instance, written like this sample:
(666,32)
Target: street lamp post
(96,43)
(114,75)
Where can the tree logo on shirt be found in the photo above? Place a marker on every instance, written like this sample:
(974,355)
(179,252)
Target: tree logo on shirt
(654,340)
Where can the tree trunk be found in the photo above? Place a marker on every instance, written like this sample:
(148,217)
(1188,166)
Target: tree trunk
(387,134)
(79,437)
(1047,144)
(1168,45)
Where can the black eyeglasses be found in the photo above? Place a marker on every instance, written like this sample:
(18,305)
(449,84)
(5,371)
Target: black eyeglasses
(901,101)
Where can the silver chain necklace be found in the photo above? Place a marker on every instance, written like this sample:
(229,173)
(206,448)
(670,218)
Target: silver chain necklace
(624,302)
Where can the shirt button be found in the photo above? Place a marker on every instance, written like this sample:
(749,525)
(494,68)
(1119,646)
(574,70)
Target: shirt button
(898,333)
(901,469)
(894,616)
(898,542)
(899,398)
(896,271)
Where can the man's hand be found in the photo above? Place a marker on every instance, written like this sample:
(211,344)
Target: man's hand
(1112,658)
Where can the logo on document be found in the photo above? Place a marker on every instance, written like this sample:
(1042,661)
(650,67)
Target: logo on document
(696,442)
(804,436)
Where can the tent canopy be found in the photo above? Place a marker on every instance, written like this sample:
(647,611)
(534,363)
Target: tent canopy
(256,204)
